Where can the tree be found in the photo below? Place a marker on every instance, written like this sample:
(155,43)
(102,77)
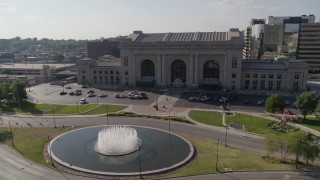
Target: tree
(58,57)
(296,144)
(274,103)
(18,91)
(275,143)
(306,103)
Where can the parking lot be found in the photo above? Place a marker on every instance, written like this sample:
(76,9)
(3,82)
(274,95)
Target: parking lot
(46,93)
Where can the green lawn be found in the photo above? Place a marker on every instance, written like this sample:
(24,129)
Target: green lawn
(28,107)
(311,122)
(103,109)
(207,117)
(30,142)
(253,124)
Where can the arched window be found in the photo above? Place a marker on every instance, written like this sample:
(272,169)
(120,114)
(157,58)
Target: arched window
(147,70)
(178,71)
(211,71)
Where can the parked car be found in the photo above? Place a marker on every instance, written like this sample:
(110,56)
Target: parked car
(84,86)
(63,93)
(102,95)
(117,95)
(68,87)
(287,102)
(91,95)
(77,93)
(204,98)
(287,112)
(247,101)
(260,101)
(83,101)
(223,99)
(90,92)
(192,98)
(122,96)
(72,93)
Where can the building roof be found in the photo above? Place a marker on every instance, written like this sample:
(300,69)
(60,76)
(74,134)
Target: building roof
(32,66)
(264,65)
(107,63)
(139,36)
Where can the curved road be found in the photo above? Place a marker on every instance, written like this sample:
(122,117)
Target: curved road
(13,166)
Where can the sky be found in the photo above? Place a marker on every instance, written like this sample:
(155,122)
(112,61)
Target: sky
(94,19)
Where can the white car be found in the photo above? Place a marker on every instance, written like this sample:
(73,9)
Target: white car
(83,101)
(102,95)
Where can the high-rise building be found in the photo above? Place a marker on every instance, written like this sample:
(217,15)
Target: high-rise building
(308,48)
(100,48)
(273,34)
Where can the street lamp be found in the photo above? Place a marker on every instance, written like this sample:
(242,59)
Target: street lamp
(170,120)
(107,114)
(11,133)
(54,119)
(140,176)
(157,102)
(217,155)
(227,125)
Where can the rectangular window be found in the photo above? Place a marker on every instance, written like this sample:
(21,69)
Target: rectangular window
(111,72)
(247,75)
(247,82)
(270,76)
(255,75)
(94,72)
(278,76)
(233,75)
(296,76)
(105,72)
(117,72)
(125,60)
(83,71)
(100,72)
(295,84)
(126,73)
(263,75)
(234,62)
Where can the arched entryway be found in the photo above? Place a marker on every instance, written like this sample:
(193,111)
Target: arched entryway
(178,73)
(147,70)
(147,74)
(211,73)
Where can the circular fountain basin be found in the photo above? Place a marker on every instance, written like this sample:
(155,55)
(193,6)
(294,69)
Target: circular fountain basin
(160,151)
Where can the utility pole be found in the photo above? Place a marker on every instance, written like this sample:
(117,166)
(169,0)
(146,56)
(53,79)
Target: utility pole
(227,125)
(11,133)
(140,176)
(217,155)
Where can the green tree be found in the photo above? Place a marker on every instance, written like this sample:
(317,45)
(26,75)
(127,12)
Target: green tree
(306,103)
(58,57)
(275,143)
(274,103)
(18,91)
(297,144)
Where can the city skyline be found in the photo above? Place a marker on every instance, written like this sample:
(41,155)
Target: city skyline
(95,19)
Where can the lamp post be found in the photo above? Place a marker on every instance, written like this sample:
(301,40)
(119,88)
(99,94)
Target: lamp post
(140,176)
(217,155)
(77,107)
(11,133)
(227,125)
(170,120)
(157,102)
(54,119)
(107,114)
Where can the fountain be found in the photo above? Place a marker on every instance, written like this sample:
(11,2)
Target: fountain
(117,150)
(117,140)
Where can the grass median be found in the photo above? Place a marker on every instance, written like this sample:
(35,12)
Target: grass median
(207,117)
(30,143)
(32,108)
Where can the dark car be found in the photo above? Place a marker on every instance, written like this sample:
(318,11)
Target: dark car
(247,101)
(90,92)
(71,93)
(63,93)
(84,86)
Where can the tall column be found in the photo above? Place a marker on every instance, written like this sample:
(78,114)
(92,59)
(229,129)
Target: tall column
(158,69)
(191,71)
(164,70)
(196,73)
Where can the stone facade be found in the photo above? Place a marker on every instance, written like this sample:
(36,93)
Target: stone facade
(210,60)
(191,50)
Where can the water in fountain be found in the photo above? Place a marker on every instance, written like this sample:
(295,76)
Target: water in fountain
(117,140)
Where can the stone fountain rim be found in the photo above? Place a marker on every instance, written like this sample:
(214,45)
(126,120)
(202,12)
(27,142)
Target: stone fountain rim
(186,160)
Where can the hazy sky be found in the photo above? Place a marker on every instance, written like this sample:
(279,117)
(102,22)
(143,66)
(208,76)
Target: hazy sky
(92,19)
